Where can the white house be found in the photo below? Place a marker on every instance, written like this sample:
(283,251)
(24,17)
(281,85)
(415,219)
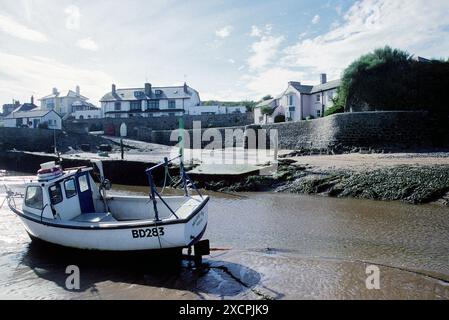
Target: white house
(33,118)
(87,114)
(215,109)
(300,102)
(65,104)
(149,101)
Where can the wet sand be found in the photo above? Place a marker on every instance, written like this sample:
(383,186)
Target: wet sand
(267,246)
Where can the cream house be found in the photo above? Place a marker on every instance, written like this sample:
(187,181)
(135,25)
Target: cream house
(65,104)
(299,102)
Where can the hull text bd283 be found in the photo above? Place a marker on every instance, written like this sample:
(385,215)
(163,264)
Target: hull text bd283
(68,208)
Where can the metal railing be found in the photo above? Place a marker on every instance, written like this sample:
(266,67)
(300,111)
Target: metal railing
(185,180)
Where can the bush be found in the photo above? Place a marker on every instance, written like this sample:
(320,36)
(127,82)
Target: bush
(43,125)
(336,108)
(389,79)
(266,110)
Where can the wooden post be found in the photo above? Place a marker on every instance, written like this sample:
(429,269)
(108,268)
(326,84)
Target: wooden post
(121,149)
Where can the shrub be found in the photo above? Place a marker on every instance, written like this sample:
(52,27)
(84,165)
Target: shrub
(389,79)
(334,109)
(267,109)
(43,125)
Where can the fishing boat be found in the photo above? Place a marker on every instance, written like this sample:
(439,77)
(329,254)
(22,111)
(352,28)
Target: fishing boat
(67,208)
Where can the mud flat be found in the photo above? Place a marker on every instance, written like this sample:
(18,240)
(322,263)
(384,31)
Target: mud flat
(414,178)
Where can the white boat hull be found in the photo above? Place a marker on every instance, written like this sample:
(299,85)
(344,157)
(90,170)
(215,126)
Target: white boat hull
(163,235)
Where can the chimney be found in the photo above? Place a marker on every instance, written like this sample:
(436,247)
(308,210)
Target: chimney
(323,78)
(113,89)
(55,91)
(185,88)
(78,91)
(148,89)
(16,104)
(294,83)
(32,99)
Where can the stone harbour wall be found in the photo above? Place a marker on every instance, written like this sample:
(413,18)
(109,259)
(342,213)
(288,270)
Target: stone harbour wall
(398,130)
(136,124)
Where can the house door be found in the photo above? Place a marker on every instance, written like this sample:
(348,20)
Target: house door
(85,193)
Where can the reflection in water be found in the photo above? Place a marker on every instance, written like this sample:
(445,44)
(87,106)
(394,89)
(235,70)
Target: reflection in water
(167,270)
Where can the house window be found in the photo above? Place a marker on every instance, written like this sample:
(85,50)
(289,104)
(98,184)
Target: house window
(19,122)
(50,104)
(152,104)
(136,105)
(290,100)
(330,95)
(171,104)
(171,114)
(318,113)
(117,106)
(318,98)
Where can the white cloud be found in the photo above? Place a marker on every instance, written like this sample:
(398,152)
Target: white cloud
(264,51)
(232,61)
(255,31)
(241,68)
(316,19)
(418,26)
(224,32)
(271,81)
(23,76)
(73,19)
(87,44)
(13,28)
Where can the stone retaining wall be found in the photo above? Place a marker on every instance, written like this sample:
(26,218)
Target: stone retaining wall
(136,124)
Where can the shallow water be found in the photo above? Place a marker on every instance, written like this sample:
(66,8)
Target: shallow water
(276,245)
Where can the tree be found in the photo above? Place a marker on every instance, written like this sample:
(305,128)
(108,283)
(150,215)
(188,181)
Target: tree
(390,79)
(267,97)
(266,110)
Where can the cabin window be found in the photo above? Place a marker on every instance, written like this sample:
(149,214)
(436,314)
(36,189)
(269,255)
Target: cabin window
(55,193)
(70,190)
(84,185)
(33,197)
(171,104)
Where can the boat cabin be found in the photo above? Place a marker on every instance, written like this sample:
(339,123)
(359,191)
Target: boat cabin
(73,195)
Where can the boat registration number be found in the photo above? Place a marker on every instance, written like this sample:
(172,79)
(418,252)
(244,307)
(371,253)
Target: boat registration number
(148,232)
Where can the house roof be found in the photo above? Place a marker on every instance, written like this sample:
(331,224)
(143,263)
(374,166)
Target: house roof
(264,103)
(326,86)
(317,88)
(302,88)
(83,103)
(30,114)
(70,94)
(131,94)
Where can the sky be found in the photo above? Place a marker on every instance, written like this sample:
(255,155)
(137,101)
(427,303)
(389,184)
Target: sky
(227,50)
